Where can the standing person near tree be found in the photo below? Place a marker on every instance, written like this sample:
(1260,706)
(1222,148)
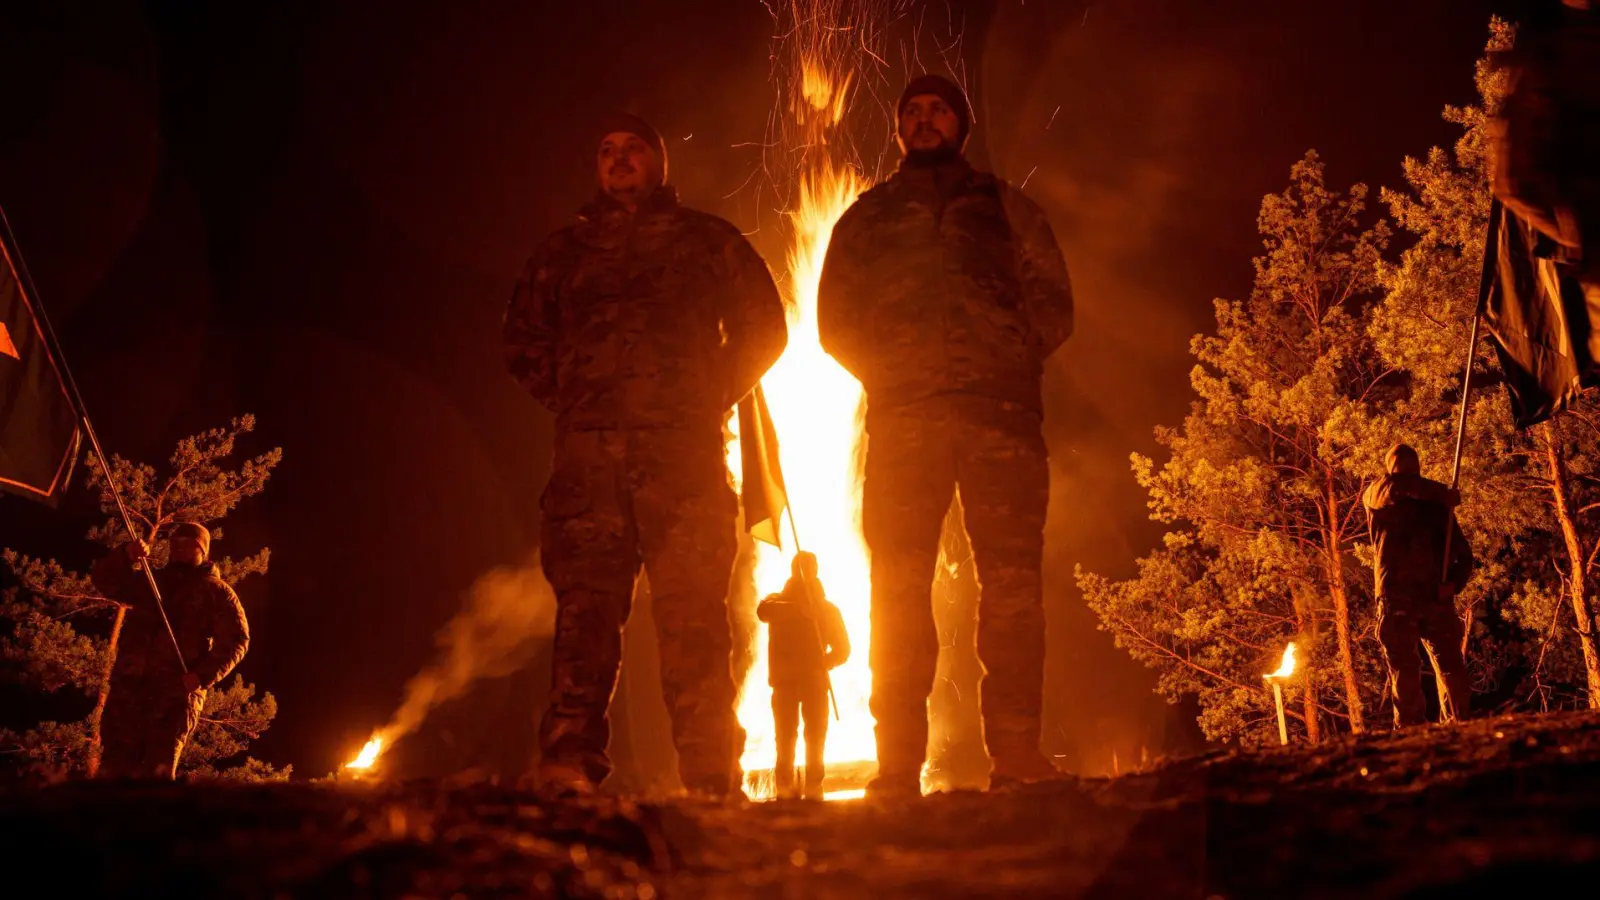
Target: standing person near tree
(806,639)
(155,697)
(640,326)
(1409,517)
(944,292)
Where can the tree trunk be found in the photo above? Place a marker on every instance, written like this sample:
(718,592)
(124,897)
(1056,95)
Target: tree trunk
(1577,585)
(1341,613)
(105,690)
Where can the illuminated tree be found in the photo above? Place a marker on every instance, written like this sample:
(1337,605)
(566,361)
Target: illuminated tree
(63,633)
(1262,481)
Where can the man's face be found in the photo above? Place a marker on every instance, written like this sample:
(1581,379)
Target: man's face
(628,169)
(186,549)
(929,123)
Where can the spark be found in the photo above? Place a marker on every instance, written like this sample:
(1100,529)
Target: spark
(1052,118)
(1030,177)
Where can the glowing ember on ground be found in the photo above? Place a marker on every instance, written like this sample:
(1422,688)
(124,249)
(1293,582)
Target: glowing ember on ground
(1286,668)
(368,755)
(815,404)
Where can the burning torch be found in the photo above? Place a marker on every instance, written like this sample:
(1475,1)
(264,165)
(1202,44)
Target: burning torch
(1276,679)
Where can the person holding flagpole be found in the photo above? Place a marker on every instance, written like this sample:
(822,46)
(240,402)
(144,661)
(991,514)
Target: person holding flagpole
(806,639)
(155,697)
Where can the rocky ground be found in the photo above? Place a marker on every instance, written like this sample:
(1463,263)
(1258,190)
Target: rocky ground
(1509,806)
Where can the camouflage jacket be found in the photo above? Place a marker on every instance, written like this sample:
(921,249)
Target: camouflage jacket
(204,611)
(664,318)
(958,291)
(1407,515)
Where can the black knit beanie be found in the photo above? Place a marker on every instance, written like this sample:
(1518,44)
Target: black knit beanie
(945,90)
(631,124)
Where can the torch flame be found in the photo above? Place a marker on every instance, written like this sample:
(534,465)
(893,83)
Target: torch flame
(1286,668)
(368,755)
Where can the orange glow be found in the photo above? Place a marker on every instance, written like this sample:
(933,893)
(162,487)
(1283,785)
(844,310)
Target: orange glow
(816,405)
(1286,668)
(368,755)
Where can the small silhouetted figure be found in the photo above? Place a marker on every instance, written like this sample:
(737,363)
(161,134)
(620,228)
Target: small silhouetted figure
(1408,516)
(806,639)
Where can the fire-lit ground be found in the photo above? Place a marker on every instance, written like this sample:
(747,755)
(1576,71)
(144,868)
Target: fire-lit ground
(1503,808)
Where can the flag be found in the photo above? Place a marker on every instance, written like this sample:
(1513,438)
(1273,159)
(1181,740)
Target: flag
(38,420)
(1545,331)
(763,494)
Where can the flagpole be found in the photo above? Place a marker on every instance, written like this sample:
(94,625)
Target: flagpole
(25,283)
(1491,243)
(1485,284)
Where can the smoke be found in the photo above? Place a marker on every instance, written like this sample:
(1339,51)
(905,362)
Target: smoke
(507,611)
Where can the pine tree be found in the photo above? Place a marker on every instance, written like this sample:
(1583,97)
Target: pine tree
(1263,486)
(63,633)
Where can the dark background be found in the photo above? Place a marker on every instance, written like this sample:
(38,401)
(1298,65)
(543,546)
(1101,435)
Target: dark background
(315,212)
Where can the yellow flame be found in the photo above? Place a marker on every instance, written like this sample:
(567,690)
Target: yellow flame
(1286,668)
(368,755)
(819,89)
(816,408)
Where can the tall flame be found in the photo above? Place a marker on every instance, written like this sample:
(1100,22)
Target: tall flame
(1285,668)
(815,404)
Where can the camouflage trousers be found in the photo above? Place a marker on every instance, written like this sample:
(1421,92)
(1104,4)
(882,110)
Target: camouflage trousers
(917,457)
(616,500)
(790,704)
(143,730)
(1406,620)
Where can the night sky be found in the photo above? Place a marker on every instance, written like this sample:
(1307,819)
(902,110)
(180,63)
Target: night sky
(315,212)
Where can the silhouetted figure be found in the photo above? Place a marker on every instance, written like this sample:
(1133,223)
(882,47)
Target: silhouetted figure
(153,705)
(806,639)
(1409,517)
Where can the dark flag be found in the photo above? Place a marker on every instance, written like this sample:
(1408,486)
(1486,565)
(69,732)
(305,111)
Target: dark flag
(38,421)
(763,494)
(1545,331)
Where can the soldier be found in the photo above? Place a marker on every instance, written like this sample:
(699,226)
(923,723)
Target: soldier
(640,325)
(806,639)
(944,292)
(154,699)
(1408,516)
